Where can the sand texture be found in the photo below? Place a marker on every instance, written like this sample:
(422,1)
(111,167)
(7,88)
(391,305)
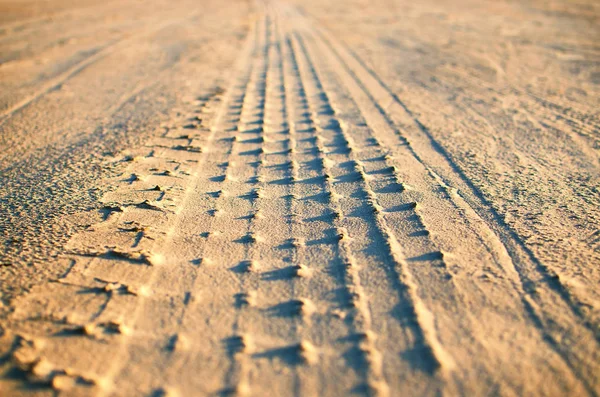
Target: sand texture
(312,198)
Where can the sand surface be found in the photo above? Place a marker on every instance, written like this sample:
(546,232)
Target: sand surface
(299,198)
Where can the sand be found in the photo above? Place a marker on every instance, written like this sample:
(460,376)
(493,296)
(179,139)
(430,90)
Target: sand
(299,198)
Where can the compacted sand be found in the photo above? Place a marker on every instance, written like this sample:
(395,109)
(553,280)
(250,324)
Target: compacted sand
(299,198)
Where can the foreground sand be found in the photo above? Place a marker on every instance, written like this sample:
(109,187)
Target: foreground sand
(321,198)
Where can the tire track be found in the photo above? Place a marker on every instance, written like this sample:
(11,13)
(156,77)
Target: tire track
(434,156)
(422,315)
(578,361)
(126,340)
(217,227)
(139,216)
(252,127)
(361,335)
(446,293)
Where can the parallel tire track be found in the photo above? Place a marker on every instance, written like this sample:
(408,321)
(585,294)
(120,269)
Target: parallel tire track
(428,151)
(310,242)
(433,155)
